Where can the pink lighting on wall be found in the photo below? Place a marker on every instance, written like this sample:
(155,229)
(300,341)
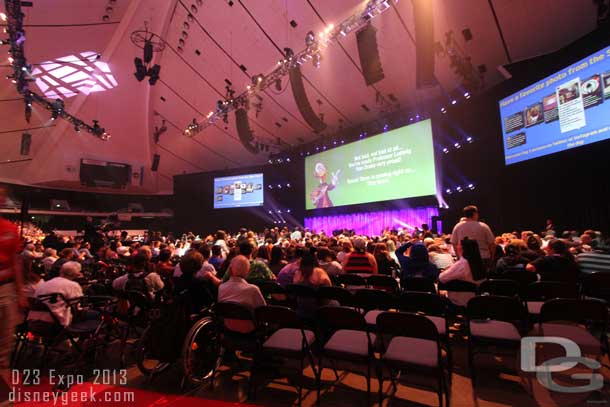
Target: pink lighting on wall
(71,75)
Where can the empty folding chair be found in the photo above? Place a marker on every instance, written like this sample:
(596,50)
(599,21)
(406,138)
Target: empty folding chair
(540,291)
(285,337)
(274,293)
(414,347)
(340,295)
(582,321)
(597,285)
(304,299)
(494,321)
(372,303)
(434,308)
(497,286)
(381,282)
(522,277)
(459,292)
(351,281)
(348,340)
(421,284)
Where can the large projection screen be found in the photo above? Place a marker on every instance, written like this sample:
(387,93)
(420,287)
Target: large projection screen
(397,164)
(568,109)
(238,191)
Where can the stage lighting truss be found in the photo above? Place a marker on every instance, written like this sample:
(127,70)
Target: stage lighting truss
(312,52)
(150,43)
(22,74)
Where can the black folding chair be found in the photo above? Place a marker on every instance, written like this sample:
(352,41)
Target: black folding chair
(304,299)
(373,302)
(459,292)
(596,285)
(351,281)
(382,282)
(539,292)
(274,293)
(495,321)
(238,332)
(348,340)
(522,277)
(285,337)
(498,286)
(341,295)
(590,315)
(414,345)
(421,284)
(435,309)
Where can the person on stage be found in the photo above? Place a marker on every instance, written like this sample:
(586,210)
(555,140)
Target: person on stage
(319,196)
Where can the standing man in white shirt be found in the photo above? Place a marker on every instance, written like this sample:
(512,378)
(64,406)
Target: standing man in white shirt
(471,228)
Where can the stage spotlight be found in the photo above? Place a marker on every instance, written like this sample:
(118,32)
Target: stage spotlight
(443,110)
(417,116)
(270,212)
(153,74)
(270,161)
(469,139)
(287,159)
(445,150)
(54,114)
(288,185)
(458,188)
(471,186)
(410,119)
(287,210)
(323,147)
(317,148)
(140,73)
(279,211)
(448,191)
(310,38)
(457,145)
(386,127)
(2,16)
(10,60)
(279,186)
(270,186)
(453,102)
(467,95)
(342,141)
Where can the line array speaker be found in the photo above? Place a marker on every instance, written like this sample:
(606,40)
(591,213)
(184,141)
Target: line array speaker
(369,55)
(155,163)
(300,97)
(243,130)
(424,43)
(26,142)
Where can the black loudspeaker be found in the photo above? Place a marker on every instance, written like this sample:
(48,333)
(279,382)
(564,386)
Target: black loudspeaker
(424,40)
(243,130)
(155,163)
(26,142)
(300,97)
(369,55)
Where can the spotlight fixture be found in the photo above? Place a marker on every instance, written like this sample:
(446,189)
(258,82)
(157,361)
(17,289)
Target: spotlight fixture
(467,95)
(445,150)
(140,73)
(443,110)
(469,139)
(448,191)
(471,186)
(457,145)
(153,74)
(458,188)
(453,102)
(310,38)
(2,16)
(150,43)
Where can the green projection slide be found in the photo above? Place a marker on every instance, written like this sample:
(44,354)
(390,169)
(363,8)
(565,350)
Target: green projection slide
(397,164)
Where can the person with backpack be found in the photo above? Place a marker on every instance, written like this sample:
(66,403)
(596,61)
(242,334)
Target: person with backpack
(138,279)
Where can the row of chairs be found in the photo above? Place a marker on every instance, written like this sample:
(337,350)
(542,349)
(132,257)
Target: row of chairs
(404,341)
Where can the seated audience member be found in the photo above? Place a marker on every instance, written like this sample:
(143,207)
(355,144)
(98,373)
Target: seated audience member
(392,250)
(220,237)
(65,256)
(557,265)
(238,290)
(224,267)
(533,250)
(469,267)
(309,274)
(85,251)
(164,266)
(29,251)
(417,263)
(385,263)
(326,262)
(262,254)
(360,261)
(216,259)
(438,257)
(207,271)
(31,282)
(200,294)
(50,257)
(65,285)
(499,243)
(514,259)
(277,261)
(597,260)
(346,249)
(286,274)
(138,279)
(258,269)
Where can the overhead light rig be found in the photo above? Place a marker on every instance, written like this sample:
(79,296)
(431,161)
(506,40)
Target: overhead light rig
(312,52)
(22,74)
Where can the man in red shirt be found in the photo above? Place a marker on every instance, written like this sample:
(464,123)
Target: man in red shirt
(11,296)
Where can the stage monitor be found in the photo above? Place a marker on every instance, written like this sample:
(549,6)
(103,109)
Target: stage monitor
(393,165)
(238,191)
(568,109)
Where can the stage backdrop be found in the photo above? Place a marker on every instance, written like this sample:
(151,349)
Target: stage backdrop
(373,223)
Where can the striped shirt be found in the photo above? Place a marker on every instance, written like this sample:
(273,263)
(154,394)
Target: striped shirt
(591,262)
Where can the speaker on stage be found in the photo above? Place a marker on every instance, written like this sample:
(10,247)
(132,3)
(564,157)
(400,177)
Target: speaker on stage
(243,130)
(26,142)
(155,163)
(300,97)
(369,55)
(424,43)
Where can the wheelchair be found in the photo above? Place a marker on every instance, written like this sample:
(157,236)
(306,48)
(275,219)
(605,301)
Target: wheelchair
(76,345)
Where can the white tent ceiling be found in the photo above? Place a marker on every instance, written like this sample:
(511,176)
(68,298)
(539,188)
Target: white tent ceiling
(249,33)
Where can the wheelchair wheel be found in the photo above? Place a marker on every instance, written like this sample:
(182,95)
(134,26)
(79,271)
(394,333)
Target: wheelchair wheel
(200,352)
(146,361)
